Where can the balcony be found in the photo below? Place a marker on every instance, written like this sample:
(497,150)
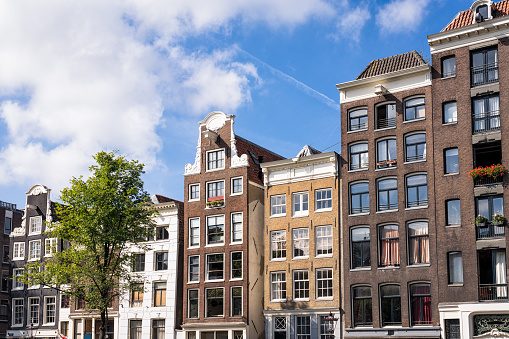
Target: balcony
(486,181)
(484,74)
(385,123)
(489,175)
(493,292)
(7,205)
(486,122)
(490,231)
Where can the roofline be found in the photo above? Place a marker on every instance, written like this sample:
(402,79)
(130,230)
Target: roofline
(248,141)
(298,160)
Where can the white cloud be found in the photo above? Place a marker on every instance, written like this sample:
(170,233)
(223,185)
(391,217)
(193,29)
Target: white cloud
(401,15)
(352,21)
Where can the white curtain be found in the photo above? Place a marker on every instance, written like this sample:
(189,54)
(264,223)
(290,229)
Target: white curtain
(500,274)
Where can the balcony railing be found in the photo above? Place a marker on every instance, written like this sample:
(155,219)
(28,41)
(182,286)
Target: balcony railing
(486,181)
(492,292)
(416,157)
(416,203)
(486,121)
(358,126)
(484,74)
(7,205)
(385,123)
(356,166)
(490,231)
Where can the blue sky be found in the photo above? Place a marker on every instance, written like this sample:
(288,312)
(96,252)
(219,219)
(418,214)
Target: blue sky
(77,77)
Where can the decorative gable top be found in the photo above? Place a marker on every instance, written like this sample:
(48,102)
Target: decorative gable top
(466,17)
(307,151)
(392,64)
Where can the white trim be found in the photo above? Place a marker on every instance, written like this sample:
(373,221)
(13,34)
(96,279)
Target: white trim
(218,150)
(189,192)
(231,186)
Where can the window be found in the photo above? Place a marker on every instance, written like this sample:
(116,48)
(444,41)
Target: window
(279,327)
(194,268)
(323,199)
(418,243)
(5,257)
(18,251)
(5,281)
(362,306)
(415,109)
(162,233)
(278,244)
(236,186)
(194,192)
(35,225)
(417,190)
(64,329)
(4,310)
(385,116)
(18,311)
(359,156)
(453,212)
(215,159)
(387,194)
(193,303)
(160,293)
(324,328)
(214,304)
(386,153)
(483,12)
(278,205)
(448,66)
(358,119)
(300,243)
(420,300)
(237,226)
(8,223)
(277,286)
(359,198)
(415,147)
(215,229)
(361,256)
(324,283)
(238,334)
(50,309)
(139,262)
(194,232)
(161,261)
(390,300)
(236,301)
(303,327)
(236,265)
(484,66)
(215,266)
(300,204)
(33,305)
(65,301)
(389,245)
(16,283)
(323,241)
(135,329)
(35,250)
(455,267)
(489,206)
(50,246)
(450,112)
(158,326)
(451,161)
(486,114)
(452,329)
(301,284)
(215,190)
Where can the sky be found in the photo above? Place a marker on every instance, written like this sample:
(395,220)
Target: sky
(136,76)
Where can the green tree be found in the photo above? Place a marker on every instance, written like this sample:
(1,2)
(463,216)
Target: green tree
(100,218)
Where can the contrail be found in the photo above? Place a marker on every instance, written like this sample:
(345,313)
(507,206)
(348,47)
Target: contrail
(303,87)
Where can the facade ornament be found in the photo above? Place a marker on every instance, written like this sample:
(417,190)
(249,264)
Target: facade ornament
(236,161)
(195,169)
(37,190)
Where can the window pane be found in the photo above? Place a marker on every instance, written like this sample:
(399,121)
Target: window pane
(361,256)
(450,112)
(451,161)
(362,306)
(453,212)
(418,243)
(455,268)
(390,305)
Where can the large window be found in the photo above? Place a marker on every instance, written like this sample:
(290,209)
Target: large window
(420,300)
(135,329)
(359,156)
(215,190)
(158,326)
(455,267)
(415,109)
(358,119)
(279,327)
(385,116)
(33,304)
(361,256)
(236,301)
(390,305)
(215,266)
(450,112)
(486,114)
(386,153)
(417,190)
(324,283)
(16,278)
(489,206)
(137,294)
(300,243)
(215,159)
(194,232)
(50,309)
(418,243)
(161,261)
(323,199)
(236,228)
(362,306)
(278,205)
(193,303)
(35,225)
(18,311)
(18,251)
(160,293)
(387,194)
(214,304)
(415,147)
(162,233)
(448,66)
(484,66)
(277,286)
(194,268)
(50,246)
(300,204)
(35,250)
(303,325)
(139,262)
(301,284)
(278,245)
(324,241)
(389,245)
(453,212)
(359,198)
(451,161)
(236,265)
(215,229)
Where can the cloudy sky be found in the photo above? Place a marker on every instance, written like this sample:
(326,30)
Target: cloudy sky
(77,77)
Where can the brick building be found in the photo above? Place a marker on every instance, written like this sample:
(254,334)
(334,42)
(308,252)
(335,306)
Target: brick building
(302,255)
(223,237)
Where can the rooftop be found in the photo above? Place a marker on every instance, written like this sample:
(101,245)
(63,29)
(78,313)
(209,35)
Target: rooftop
(392,64)
(466,17)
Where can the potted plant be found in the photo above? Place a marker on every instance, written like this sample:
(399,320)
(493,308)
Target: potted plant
(498,219)
(215,203)
(481,220)
(494,171)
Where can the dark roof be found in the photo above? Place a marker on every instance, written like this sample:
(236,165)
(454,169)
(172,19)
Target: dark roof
(466,17)
(161,199)
(392,64)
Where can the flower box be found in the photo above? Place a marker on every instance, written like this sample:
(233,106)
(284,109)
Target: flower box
(493,171)
(481,220)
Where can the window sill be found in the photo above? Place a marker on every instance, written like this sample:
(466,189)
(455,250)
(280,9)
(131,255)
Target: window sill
(278,215)
(236,243)
(301,299)
(414,162)
(278,260)
(359,170)
(413,120)
(17,288)
(236,194)
(357,130)
(214,207)
(214,281)
(278,301)
(358,214)
(448,77)
(237,279)
(17,325)
(385,169)
(189,283)
(18,259)
(360,269)
(301,258)
(214,245)
(388,267)
(449,123)
(419,265)
(34,233)
(416,208)
(193,247)
(452,226)
(323,256)
(193,200)
(48,324)
(385,129)
(300,216)
(455,285)
(323,210)
(387,211)
(33,259)
(451,174)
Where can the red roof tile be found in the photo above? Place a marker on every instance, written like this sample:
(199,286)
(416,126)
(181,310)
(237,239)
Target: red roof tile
(466,17)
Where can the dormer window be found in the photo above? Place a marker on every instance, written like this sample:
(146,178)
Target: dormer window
(482,11)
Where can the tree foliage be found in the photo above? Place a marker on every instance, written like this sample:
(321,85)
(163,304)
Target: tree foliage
(100,218)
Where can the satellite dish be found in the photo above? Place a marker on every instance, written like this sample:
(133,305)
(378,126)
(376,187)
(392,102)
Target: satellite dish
(478,17)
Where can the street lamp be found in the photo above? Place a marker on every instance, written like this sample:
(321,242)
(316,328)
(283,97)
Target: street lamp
(330,324)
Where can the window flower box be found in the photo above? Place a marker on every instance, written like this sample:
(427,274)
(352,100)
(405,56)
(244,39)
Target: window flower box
(480,221)
(493,171)
(498,220)
(215,202)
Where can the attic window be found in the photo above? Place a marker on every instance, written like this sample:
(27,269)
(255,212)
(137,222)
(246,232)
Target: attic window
(483,12)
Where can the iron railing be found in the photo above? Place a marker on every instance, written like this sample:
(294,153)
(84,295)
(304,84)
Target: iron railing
(484,74)
(415,203)
(492,292)
(486,121)
(490,231)
(7,205)
(487,180)
(385,123)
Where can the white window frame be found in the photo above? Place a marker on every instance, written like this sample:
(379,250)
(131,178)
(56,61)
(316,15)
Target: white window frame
(241,298)
(307,327)
(303,280)
(14,306)
(215,216)
(300,239)
(29,310)
(278,284)
(232,186)
(276,244)
(188,303)
(32,253)
(326,279)
(207,267)
(324,237)
(413,97)
(18,251)
(190,245)
(207,159)
(35,221)
(190,192)
(46,311)
(302,212)
(206,302)
(233,229)
(50,246)
(207,189)
(231,265)
(319,200)
(189,269)
(282,206)
(17,285)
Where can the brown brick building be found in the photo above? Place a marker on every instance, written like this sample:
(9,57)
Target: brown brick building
(302,255)
(223,239)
